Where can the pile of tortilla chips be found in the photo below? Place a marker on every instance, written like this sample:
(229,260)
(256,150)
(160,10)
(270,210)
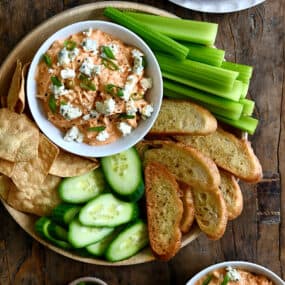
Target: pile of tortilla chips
(31,166)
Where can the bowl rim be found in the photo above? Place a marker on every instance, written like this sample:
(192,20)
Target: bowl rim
(52,132)
(250,266)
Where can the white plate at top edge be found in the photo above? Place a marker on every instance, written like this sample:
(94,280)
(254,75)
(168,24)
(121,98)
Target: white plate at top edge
(217,6)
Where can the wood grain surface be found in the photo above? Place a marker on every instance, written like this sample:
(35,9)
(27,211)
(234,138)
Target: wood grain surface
(255,37)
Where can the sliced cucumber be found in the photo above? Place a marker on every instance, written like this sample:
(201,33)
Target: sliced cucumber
(82,188)
(128,242)
(123,172)
(80,236)
(42,228)
(99,248)
(108,211)
(57,231)
(65,213)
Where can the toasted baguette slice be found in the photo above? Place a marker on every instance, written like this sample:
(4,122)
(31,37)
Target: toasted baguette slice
(188,216)
(178,117)
(187,164)
(232,194)
(230,153)
(210,211)
(164,211)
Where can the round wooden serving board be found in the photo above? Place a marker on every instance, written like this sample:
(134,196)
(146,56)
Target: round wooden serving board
(25,51)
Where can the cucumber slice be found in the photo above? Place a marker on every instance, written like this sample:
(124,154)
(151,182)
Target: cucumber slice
(123,172)
(65,213)
(108,211)
(128,242)
(82,188)
(80,236)
(99,248)
(57,231)
(42,228)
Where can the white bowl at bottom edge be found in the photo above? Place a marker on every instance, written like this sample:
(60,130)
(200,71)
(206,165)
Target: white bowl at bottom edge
(251,267)
(91,280)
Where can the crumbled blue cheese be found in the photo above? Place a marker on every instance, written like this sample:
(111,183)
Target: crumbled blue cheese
(69,112)
(107,107)
(89,44)
(88,32)
(89,68)
(58,90)
(138,61)
(131,108)
(92,114)
(146,83)
(67,73)
(146,111)
(73,134)
(125,128)
(129,87)
(102,136)
(50,71)
(64,56)
(233,274)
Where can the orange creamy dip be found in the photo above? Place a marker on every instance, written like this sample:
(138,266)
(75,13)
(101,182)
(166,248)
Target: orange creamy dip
(237,277)
(93,87)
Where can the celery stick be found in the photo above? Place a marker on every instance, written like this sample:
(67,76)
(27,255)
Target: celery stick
(152,37)
(202,76)
(248,107)
(245,71)
(244,90)
(247,124)
(208,55)
(233,95)
(229,108)
(180,29)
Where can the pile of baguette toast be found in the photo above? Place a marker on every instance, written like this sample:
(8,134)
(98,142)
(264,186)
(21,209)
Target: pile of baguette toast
(192,167)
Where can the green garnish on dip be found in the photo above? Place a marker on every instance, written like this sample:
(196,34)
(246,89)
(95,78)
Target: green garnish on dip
(47,59)
(69,45)
(52,103)
(226,279)
(207,280)
(108,52)
(120,92)
(126,116)
(109,88)
(86,83)
(97,129)
(55,81)
(109,64)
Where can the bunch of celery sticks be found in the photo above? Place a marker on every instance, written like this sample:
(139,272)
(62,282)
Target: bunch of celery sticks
(192,68)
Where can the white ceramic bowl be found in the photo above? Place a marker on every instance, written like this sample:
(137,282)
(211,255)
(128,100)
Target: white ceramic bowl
(91,280)
(154,95)
(251,267)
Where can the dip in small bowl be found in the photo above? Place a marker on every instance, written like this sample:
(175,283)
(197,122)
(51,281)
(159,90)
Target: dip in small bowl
(236,272)
(94,88)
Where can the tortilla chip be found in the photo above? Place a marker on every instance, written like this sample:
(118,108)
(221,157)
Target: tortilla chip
(5,185)
(68,165)
(6,167)
(19,137)
(39,200)
(13,94)
(33,173)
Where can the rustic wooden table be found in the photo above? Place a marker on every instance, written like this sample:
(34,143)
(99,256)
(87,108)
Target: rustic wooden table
(255,37)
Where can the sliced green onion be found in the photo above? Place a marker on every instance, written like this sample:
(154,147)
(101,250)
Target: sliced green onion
(248,107)
(126,116)
(179,29)
(109,64)
(245,71)
(120,92)
(226,279)
(55,81)
(109,88)
(69,45)
(233,94)
(97,129)
(209,78)
(204,54)
(207,280)
(47,59)
(150,35)
(63,103)
(89,86)
(52,103)
(247,124)
(108,52)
